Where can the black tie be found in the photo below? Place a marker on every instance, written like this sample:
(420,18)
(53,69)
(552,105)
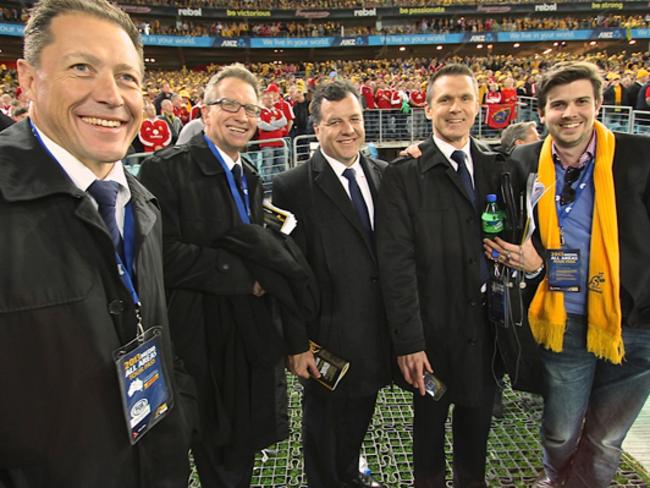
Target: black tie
(105,194)
(357,200)
(463,174)
(237,174)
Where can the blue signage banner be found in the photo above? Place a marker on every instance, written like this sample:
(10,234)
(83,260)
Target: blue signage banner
(16,30)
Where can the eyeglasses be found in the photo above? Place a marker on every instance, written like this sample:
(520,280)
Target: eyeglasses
(233,106)
(568,194)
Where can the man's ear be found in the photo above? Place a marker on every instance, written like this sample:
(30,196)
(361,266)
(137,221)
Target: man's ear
(26,78)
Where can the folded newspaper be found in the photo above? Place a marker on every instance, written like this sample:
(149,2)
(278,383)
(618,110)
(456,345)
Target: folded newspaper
(534,191)
(279,219)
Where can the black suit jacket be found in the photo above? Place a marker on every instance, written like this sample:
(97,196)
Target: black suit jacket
(632,186)
(351,321)
(429,247)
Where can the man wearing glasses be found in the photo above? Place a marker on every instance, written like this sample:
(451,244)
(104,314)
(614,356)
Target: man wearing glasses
(205,189)
(590,310)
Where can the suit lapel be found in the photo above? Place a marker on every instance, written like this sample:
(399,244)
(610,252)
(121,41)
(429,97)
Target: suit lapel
(434,157)
(481,183)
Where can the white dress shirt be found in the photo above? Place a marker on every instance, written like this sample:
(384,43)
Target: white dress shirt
(83,177)
(360,177)
(447,149)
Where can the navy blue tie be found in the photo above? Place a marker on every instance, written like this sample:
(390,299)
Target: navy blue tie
(105,194)
(237,174)
(463,174)
(357,200)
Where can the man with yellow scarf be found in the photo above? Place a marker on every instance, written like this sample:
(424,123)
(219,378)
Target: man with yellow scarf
(591,308)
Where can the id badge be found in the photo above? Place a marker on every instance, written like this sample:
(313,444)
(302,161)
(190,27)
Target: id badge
(497,302)
(563,270)
(146,395)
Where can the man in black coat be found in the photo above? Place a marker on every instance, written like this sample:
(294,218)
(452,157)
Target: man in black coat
(332,196)
(66,307)
(206,189)
(434,277)
(594,324)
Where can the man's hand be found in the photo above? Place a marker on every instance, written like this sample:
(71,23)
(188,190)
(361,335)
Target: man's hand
(413,151)
(303,365)
(413,367)
(258,291)
(522,258)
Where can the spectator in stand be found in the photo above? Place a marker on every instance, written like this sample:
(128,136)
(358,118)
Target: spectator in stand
(6,104)
(508,91)
(615,93)
(154,132)
(417,101)
(180,106)
(165,94)
(271,125)
(191,129)
(367,90)
(301,114)
(167,114)
(642,78)
(493,94)
(282,105)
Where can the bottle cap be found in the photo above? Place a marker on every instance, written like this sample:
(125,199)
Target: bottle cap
(490,198)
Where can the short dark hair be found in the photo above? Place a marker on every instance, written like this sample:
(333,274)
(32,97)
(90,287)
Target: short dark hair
(454,69)
(334,91)
(567,72)
(38,34)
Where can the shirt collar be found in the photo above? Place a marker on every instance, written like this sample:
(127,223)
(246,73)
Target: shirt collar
(78,172)
(584,158)
(230,162)
(339,167)
(447,149)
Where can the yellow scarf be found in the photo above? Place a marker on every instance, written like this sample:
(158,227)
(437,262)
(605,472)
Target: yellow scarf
(546,315)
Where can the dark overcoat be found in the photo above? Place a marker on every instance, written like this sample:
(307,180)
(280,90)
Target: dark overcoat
(351,322)
(208,288)
(429,246)
(63,312)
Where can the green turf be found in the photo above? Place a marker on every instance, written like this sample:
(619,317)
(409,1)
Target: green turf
(514,452)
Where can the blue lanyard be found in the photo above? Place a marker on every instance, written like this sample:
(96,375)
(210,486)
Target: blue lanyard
(564,211)
(125,270)
(243,205)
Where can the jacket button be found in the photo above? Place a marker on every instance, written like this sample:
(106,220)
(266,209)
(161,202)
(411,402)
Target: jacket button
(225,267)
(471,342)
(373,279)
(470,220)
(116,307)
(472,303)
(396,331)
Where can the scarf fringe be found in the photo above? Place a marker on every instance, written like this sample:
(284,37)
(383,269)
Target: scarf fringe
(548,334)
(604,345)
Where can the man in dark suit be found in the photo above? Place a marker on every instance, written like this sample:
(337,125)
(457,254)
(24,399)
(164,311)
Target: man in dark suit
(333,197)
(81,269)
(594,324)
(206,190)
(434,276)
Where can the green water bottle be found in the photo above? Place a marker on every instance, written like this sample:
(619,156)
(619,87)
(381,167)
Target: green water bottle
(493,218)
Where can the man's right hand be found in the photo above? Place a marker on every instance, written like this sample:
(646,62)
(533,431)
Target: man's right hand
(303,365)
(413,367)
(413,151)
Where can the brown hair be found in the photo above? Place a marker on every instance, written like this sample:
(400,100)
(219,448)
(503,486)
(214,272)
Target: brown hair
(568,72)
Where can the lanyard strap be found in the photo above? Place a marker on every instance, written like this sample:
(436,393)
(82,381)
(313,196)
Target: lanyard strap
(563,212)
(243,205)
(125,270)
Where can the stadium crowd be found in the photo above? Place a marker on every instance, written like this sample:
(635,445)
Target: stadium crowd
(423,26)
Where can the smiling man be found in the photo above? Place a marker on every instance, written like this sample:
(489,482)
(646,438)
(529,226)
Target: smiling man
(590,308)
(434,276)
(333,197)
(81,273)
(206,189)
